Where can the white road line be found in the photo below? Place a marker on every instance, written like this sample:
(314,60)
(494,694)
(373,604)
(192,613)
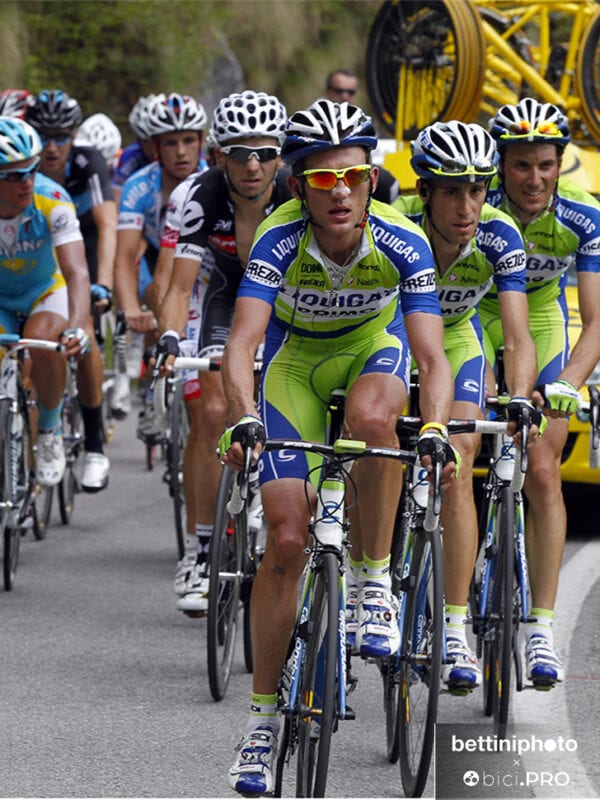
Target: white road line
(549,709)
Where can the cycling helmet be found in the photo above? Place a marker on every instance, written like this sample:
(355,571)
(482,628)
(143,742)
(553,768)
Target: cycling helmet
(454,150)
(18,141)
(102,133)
(530,121)
(53,109)
(248,114)
(138,116)
(177,112)
(13,102)
(324,125)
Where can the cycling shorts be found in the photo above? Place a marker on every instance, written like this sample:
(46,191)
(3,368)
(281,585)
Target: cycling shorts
(463,345)
(53,298)
(298,382)
(548,326)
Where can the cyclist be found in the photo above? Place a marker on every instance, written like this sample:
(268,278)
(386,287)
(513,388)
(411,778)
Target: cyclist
(84,174)
(13,102)
(176,125)
(340,285)
(139,153)
(474,245)
(41,256)
(560,225)
(220,215)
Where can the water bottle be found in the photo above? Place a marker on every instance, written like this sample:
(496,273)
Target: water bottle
(504,455)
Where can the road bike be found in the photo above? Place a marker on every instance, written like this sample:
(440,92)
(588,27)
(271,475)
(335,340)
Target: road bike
(317,678)
(18,488)
(411,677)
(424,61)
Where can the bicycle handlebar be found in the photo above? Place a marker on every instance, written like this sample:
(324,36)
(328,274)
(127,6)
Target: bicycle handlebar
(15,343)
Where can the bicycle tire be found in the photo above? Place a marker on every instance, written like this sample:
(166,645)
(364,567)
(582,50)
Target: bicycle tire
(179,425)
(318,689)
(432,51)
(505,583)
(226,564)
(42,510)
(68,487)
(587,75)
(10,535)
(421,661)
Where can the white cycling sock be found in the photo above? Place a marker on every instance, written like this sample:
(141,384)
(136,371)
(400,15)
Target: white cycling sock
(263,711)
(544,619)
(456,622)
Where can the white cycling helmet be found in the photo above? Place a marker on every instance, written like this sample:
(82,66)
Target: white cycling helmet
(248,114)
(19,141)
(177,112)
(530,121)
(454,150)
(100,132)
(138,116)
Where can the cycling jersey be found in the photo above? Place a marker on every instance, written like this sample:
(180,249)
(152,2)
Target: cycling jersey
(209,223)
(322,334)
(87,180)
(565,236)
(29,269)
(132,159)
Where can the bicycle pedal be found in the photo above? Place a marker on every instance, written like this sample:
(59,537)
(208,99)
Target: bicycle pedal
(459,692)
(195,614)
(350,713)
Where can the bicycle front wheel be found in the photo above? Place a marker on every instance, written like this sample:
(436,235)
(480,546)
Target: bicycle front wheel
(318,690)
(503,605)
(42,509)
(73,438)
(421,660)
(180,427)
(226,572)
(587,76)
(10,533)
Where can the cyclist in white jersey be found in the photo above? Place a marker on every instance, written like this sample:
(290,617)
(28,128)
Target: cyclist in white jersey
(560,224)
(339,285)
(474,245)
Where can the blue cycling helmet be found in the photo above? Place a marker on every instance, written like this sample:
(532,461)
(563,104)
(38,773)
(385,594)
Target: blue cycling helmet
(53,109)
(18,141)
(454,150)
(325,125)
(530,121)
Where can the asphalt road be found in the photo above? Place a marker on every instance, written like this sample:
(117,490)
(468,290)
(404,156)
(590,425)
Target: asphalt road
(104,689)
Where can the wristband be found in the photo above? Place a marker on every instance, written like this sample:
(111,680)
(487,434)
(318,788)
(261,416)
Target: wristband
(436,426)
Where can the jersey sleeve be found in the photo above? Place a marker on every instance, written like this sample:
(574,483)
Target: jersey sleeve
(193,228)
(500,241)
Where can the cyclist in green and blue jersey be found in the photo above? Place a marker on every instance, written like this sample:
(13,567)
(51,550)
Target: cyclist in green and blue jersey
(475,247)
(560,225)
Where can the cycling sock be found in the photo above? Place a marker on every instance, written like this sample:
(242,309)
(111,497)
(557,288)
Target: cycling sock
(377,572)
(49,418)
(203,537)
(544,618)
(263,711)
(92,427)
(456,622)
(355,574)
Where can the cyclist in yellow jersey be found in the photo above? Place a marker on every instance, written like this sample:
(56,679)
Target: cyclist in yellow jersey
(41,255)
(560,224)
(475,246)
(339,285)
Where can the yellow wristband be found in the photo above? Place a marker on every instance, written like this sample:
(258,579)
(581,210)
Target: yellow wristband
(437,426)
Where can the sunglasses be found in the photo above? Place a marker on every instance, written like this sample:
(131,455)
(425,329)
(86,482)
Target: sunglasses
(525,130)
(459,170)
(19,175)
(59,139)
(339,91)
(326,179)
(242,154)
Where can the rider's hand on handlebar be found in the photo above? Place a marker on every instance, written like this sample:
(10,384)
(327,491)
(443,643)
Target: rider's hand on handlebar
(248,431)
(101,298)
(560,398)
(76,341)
(519,408)
(164,353)
(433,445)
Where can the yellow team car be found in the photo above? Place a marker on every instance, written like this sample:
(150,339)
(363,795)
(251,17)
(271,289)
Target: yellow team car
(575,466)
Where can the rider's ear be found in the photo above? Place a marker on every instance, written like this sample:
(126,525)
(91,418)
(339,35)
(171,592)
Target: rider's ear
(295,187)
(423,189)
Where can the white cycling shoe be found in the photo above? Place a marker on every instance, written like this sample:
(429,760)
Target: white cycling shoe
(252,772)
(50,460)
(95,472)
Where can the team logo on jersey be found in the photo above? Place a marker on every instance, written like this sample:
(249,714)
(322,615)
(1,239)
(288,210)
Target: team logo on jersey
(263,273)
(192,217)
(420,282)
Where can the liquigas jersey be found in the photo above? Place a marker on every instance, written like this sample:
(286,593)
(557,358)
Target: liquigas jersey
(566,235)
(493,258)
(390,275)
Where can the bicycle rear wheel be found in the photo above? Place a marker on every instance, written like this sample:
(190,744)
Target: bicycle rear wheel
(10,533)
(421,655)
(318,690)
(226,572)
(180,428)
(73,437)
